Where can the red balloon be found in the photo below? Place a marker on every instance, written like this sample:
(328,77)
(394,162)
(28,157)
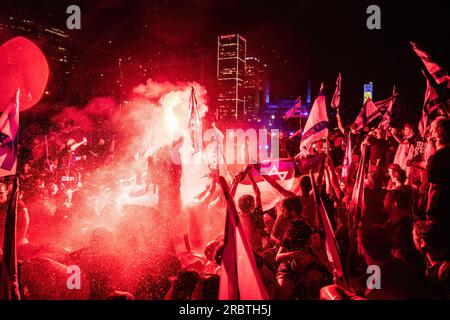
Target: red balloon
(23,66)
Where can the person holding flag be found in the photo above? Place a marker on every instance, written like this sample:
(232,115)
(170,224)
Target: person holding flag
(316,127)
(240,278)
(14,218)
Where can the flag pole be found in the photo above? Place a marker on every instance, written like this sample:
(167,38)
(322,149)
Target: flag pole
(356,212)
(9,283)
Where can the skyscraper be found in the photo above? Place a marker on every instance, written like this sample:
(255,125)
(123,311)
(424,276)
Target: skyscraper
(231,54)
(255,87)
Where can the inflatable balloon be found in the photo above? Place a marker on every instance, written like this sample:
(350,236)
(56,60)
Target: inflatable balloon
(23,66)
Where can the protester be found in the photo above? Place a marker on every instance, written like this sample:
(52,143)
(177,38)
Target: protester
(394,281)
(429,239)
(302,267)
(373,199)
(399,226)
(251,216)
(405,148)
(439,175)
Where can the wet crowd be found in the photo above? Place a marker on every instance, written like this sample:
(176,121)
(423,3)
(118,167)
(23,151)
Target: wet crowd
(403,228)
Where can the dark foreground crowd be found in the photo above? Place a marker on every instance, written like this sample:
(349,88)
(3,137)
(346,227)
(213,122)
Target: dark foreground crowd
(403,232)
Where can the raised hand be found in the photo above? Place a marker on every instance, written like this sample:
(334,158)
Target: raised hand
(241,176)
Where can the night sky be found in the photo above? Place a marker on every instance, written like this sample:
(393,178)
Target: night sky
(299,40)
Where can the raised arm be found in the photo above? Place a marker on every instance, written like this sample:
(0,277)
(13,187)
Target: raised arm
(255,190)
(238,179)
(339,122)
(334,180)
(284,255)
(394,134)
(75,146)
(207,195)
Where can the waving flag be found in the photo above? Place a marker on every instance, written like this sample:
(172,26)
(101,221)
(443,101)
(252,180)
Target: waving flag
(283,171)
(347,163)
(9,283)
(336,102)
(431,103)
(9,126)
(386,120)
(316,127)
(240,278)
(439,74)
(331,245)
(357,206)
(372,111)
(195,124)
(356,210)
(217,153)
(294,112)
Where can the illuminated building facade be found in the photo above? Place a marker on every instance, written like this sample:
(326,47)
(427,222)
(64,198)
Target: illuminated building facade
(255,87)
(231,64)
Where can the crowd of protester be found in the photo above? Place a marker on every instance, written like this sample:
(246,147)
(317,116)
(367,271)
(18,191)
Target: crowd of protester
(404,229)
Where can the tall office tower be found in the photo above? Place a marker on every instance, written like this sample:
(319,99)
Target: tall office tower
(255,87)
(231,54)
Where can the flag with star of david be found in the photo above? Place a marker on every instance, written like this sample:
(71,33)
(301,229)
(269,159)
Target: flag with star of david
(9,127)
(284,171)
